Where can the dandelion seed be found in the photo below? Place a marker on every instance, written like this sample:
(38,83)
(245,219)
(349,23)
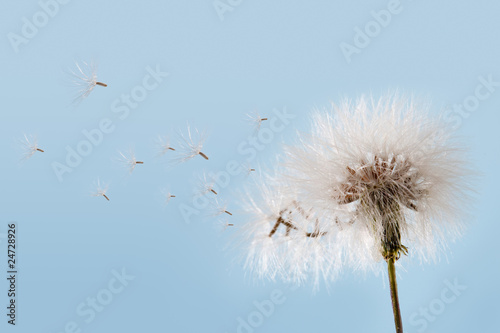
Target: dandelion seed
(167,196)
(255,119)
(206,185)
(224,224)
(163,144)
(130,162)
(247,168)
(219,208)
(190,146)
(30,147)
(85,78)
(101,190)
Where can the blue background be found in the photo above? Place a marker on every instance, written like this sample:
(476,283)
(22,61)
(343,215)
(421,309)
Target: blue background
(262,55)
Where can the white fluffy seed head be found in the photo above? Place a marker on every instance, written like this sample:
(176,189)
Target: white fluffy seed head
(379,177)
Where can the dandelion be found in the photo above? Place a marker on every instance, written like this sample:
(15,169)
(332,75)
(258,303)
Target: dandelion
(101,190)
(85,78)
(191,145)
(375,180)
(255,119)
(130,162)
(30,147)
(163,144)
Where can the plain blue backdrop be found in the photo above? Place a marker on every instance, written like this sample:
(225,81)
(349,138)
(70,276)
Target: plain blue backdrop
(223,62)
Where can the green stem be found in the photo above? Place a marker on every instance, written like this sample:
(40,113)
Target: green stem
(394,294)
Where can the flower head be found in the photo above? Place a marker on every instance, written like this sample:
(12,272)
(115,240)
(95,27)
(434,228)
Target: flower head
(389,164)
(30,147)
(374,180)
(85,78)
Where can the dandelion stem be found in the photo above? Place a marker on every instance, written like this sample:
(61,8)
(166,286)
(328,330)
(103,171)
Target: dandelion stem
(394,294)
(101,84)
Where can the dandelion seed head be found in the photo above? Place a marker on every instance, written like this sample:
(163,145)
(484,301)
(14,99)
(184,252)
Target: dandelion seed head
(389,163)
(375,179)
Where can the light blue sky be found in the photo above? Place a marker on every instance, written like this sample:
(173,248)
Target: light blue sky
(264,56)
